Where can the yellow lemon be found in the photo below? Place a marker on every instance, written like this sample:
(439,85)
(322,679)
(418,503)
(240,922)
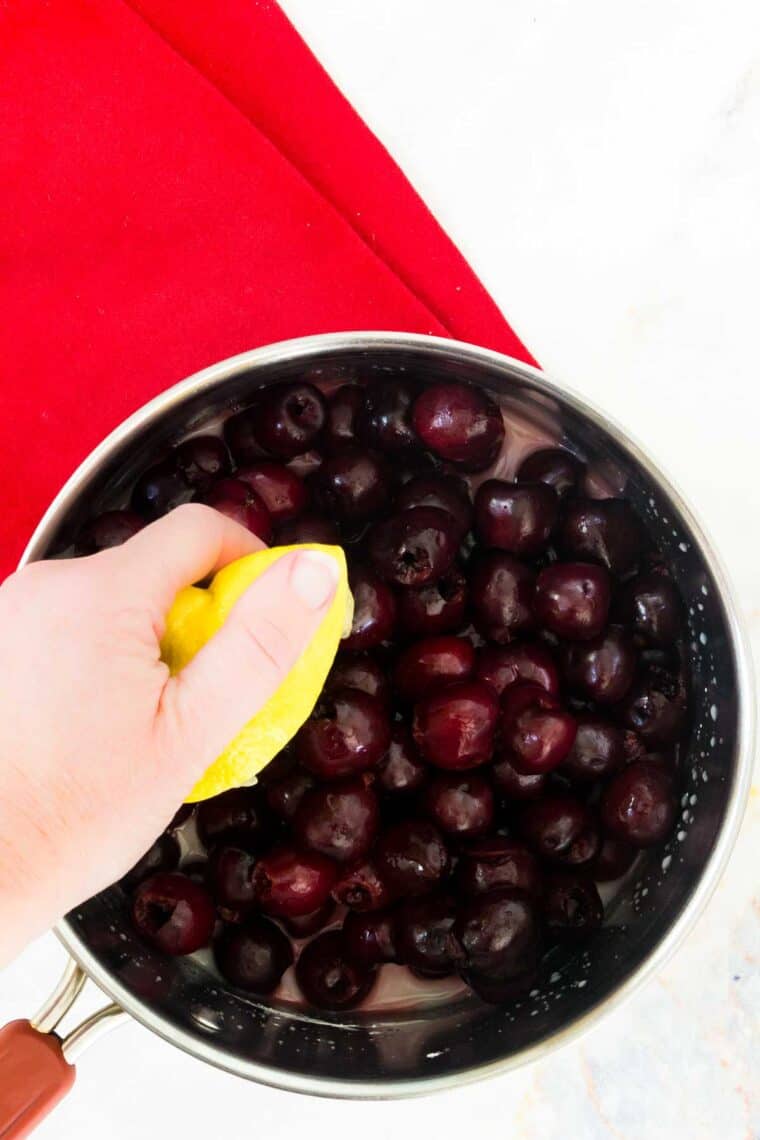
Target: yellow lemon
(194,618)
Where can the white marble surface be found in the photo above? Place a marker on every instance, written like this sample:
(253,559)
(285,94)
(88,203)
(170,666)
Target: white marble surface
(598,163)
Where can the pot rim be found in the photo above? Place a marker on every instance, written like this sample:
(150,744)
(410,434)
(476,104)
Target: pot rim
(304,348)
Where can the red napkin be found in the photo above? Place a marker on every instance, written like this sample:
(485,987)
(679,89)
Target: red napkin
(181,181)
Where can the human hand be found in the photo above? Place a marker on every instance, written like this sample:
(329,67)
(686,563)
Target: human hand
(98,744)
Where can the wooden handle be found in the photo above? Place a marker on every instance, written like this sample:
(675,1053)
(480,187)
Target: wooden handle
(34,1075)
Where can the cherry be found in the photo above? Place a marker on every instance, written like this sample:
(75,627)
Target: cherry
(607,531)
(446,492)
(460,804)
(425,938)
(501,596)
(412,858)
(460,424)
(254,957)
(573,599)
(285,794)
(110,529)
(240,503)
(493,861)
(162,855)
(352,485)
(347,732)
(516,517)
(201,460)
(360,671)
(308,528)
(602,668)
(401,770)
(370,938)
(375,610)
(430,664)
(560,828)
(439,607)
(342,410)
(385,419)
(240,816)
(240,438)
(289,883)
(414,547)
(454,728)
(304,925)
(328,978)
(613,859)
(655,707)
(572,907)
(598,750)
(554,466)
(281,491)
(639,805)
(491,987)
(537,733)
(499,932)
(159,490)
(173,913)
(504,665)
(288,418)
(516,785)
(230,874)
(361,887)
(339,821)
(651,606)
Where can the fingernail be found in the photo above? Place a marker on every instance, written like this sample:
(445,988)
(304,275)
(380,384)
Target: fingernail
(314,578)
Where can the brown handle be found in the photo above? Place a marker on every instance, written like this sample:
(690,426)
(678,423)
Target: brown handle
(34,1075)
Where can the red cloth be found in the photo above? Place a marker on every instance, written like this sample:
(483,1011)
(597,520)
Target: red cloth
(181,181)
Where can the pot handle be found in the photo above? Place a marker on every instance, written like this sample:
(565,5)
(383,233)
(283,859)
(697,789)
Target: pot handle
(37,1065)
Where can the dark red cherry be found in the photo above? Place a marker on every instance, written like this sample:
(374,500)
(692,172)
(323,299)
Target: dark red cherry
(428,665)
(352,485)
(375,610)
(560,828)
(112,528)
(304,925)
(501,596)
(240,816)
(202,460)
(496,990)
(361,887)
(447,492)
(516,517)
(515,785)
(572,908)
(556,467)
(360,671)
(499,932)
(414,547)
(425,939)
(255,956)
(347,733)
(342,410)
(230,878)
(460,424)
(370,938)
(503,665)
(602,668)
(655,707)
(412,857)
(159,490)
(328,978)
(162,855)
(241,439)
(573,599)
(639,805)
(454,728)
(439,607)
(240,503)
(613,859)
(285,794)
(402,769)
(308,528)
(651,607)
(493,861)
(461,804)
(288,418)
(384,421)
(173,913)
(536,732)
(289,882)
(283,494)
(607,531)
(339,820)
(597,752)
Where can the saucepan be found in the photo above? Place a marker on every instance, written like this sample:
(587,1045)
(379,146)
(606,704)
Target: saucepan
(424,1048)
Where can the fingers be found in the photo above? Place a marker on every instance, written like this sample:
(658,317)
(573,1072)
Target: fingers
(241,667)
(179,549)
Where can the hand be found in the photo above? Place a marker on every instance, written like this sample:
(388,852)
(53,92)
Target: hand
(98,744)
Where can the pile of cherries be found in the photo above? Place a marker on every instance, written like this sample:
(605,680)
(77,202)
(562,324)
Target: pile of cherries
(498,734)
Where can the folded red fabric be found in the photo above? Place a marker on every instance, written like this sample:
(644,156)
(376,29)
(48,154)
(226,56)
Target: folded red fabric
(180,182)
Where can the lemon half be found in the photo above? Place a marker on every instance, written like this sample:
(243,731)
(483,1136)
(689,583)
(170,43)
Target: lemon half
(194,618)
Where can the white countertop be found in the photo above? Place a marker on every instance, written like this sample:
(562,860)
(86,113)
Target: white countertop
(599,165)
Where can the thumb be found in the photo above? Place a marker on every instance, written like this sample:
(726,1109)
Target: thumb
(245,662)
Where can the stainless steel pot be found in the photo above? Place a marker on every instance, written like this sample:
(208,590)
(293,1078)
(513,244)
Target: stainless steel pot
(393,1055)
